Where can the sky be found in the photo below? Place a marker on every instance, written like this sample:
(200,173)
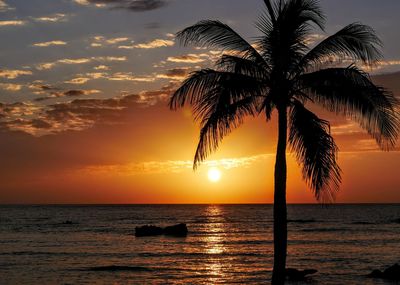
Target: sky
(84,86)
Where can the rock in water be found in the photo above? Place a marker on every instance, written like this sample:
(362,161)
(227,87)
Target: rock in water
(375,274)
(148,231)
(390,273)
(179,230)
(299,275)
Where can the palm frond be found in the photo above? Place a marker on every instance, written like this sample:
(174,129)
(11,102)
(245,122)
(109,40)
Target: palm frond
(283,43)
(271,11)
(296,14)
(357,41)
(349,91)
(315,151)
(218,117)
(220,100)
(244,66)
(200,83)
(212,33)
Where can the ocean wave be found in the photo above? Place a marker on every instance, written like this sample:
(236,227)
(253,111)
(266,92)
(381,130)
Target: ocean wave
(363,223)
(326,230)
(301,221)
(201,254)
(114,268)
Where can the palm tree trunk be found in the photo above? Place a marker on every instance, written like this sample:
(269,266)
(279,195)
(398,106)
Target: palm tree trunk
(280,214)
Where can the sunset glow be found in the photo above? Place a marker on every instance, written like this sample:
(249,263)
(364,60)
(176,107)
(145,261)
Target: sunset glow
(84,111)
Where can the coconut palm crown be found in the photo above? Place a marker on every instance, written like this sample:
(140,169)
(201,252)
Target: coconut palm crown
(279,71)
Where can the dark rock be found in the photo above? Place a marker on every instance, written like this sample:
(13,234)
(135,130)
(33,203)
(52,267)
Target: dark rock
(390,273)
(148,231)
(375,274)
(179,230)
(68,223)
(299,275)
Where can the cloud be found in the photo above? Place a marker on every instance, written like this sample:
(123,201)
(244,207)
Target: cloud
(189,58)
(128,76)
(78,80)
(96,75)
(49,65)
(117,76)
(132,5)
(57,93)
(157,43)
(101,67)
(78,92)
(74,61)
(10,86)
(40,85)
(40,124)
(82,2)
(346,128)
(12,74)
(172,166)
(52,18)
(40,88)
(313,39)
(12,23)
(100,41)
(14,115)
(50,43)
(383,64)
(4,7)
(110,58)
(78,114)
(152,97)
(175,73)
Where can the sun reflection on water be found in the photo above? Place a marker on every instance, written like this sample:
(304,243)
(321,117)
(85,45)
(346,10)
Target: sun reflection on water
(214,242)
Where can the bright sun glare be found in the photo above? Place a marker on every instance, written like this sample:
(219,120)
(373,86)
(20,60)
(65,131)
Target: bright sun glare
(214,174)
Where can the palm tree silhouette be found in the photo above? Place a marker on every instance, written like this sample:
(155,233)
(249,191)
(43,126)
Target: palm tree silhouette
(280,72)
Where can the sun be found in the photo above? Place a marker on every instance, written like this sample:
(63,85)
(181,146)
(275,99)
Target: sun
(214,174)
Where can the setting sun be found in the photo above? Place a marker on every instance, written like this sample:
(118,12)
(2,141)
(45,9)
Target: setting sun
(214,174)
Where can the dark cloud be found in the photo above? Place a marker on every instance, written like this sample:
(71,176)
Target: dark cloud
(40,124)
(46,87)
(176,73)
(133,5)
(57,93)
(74,92)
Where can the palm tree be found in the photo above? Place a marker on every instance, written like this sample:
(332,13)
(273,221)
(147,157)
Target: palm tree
(280,72)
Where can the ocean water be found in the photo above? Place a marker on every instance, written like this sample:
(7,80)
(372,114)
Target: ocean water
(227,244)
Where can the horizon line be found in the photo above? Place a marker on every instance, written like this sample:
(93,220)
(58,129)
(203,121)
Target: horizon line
(191,204)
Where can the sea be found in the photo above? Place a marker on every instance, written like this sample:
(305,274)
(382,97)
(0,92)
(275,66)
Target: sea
(226,244)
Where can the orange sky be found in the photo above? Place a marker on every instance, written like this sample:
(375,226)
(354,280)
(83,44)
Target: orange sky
(84,116)
(146,156)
